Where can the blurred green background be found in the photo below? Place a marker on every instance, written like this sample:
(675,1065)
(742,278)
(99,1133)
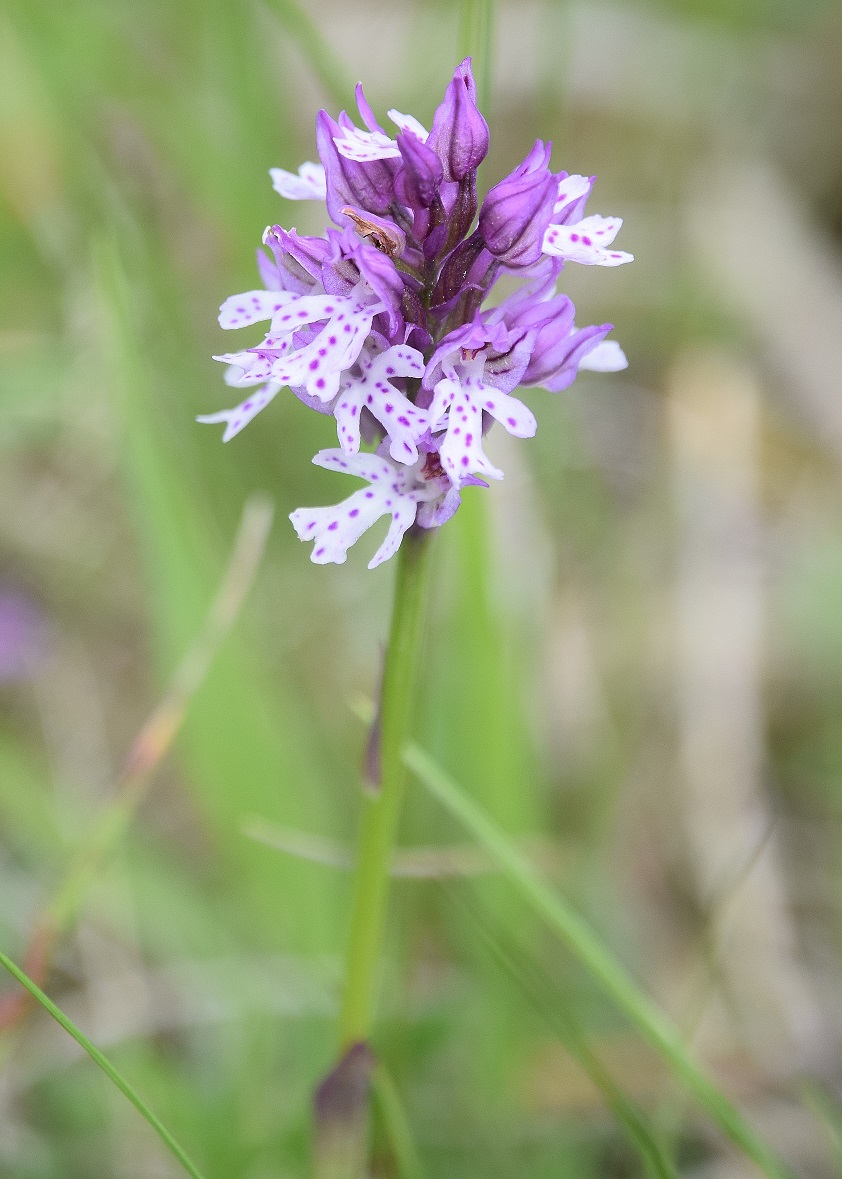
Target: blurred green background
(635,650)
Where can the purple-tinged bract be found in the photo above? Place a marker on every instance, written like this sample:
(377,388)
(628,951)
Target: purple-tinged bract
(384,322)
(517,212)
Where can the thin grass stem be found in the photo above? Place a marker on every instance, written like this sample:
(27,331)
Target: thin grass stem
(581,940)
(105,1064)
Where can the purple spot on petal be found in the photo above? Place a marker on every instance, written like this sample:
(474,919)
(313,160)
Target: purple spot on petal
(403,421)
(586,241)
(334,524)
(332,340)
(320,384)
(512,421)
(354,512)
(574,237)
(465,460)
(314,364)
(319,552)
(369,495)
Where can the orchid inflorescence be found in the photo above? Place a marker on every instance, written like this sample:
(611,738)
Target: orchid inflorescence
(382,321)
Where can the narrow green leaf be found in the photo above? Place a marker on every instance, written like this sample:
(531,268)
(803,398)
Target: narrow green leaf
(105,1064)
(391,1109)
(586,946)
(328,68)
(551,1004)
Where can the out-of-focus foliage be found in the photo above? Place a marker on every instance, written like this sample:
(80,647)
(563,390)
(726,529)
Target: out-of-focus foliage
(634,650)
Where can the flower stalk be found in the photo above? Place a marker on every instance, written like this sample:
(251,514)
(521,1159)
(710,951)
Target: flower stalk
(382,806)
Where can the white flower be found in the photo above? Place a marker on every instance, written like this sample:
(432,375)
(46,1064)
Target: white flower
(585,241)
(461,397)
(606,357)
(393,490)
(309,185)
(316,367)
(369,386)
(364,146)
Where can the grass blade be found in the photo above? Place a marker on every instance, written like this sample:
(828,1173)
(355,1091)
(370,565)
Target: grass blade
(390,1106)
(105,1064)
(148,749)
(544,996)
(586,946)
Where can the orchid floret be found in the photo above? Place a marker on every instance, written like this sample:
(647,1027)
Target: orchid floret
(393,490)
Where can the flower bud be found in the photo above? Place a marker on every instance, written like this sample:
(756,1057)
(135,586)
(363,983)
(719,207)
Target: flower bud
(298,259)
(560,348)
(418,182)
(517,211)
(460,134)
(378,270)
(452,280)
(367,186)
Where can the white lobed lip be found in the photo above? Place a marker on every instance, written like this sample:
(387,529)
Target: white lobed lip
(309,185)
(364,146)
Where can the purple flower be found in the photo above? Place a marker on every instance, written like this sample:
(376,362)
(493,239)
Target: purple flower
(516,213)
(22,635)
(459,134)
(367,186)
(383,322)
(418,185)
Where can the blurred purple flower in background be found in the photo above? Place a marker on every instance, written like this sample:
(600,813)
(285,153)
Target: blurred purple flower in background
(21,634)
(382,321)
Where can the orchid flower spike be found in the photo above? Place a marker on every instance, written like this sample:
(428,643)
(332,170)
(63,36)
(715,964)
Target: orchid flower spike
(384,322)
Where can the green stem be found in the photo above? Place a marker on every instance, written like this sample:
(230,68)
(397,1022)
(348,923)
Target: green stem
(381,810)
